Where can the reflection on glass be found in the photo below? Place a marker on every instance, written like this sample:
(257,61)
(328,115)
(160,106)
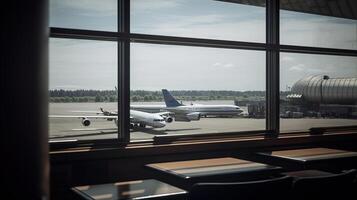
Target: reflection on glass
(317,91)
(84,14)
(208,90)
(199,19)
(298,28)
(82,80)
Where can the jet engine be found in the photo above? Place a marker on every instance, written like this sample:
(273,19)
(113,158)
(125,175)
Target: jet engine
(169,119)
(195,116)
(85,122)
(131,126)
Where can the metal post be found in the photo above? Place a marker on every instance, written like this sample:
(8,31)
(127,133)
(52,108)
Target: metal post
(272,68)
(123,71)
(24,84)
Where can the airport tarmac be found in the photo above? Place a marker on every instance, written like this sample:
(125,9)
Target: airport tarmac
(69,128)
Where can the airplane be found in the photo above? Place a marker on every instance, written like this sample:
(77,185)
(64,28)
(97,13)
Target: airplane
(137,118)
(140,118)
(219,110)
(178,115)
(149,108)
(189,112)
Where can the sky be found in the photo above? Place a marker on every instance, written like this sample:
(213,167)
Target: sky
(88,64)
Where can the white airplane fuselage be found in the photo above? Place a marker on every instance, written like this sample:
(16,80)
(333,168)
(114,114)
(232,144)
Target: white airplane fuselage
(208,109)
(148,108)
(202,109)
(144,118)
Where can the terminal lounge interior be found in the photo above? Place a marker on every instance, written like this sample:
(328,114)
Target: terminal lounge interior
(179,99)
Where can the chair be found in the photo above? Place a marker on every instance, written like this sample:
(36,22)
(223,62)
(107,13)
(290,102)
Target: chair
(335,186)
(276,188)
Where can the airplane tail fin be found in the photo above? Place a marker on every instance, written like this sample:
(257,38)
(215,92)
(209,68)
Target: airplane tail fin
(104,112)
(170,101)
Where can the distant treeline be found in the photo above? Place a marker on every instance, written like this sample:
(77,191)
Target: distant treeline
(147,96)
(64,96)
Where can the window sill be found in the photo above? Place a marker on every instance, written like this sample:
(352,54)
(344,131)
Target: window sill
(242,143)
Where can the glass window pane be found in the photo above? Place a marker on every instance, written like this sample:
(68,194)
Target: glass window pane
(199,19)
(318,24)
(82,80)
(216,90)
(84,14)
(317,91)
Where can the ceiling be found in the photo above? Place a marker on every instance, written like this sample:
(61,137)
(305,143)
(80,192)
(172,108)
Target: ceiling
(336,8)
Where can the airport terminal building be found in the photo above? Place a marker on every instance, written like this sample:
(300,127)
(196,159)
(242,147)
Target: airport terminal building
(324,95)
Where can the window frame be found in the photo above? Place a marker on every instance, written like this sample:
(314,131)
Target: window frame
(124,38)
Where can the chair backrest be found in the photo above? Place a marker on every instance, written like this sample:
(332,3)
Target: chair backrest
(326,187)
(276,188)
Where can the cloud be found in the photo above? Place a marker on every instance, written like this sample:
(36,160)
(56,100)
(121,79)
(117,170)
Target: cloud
(94,65)
(217,64)
(82,64)
(184,21)
(179,67)
(299,68)
(223,65)
(215,28)
(67,87)
(316,30)
(91,7)
(287,58)
(307,70)
(228,65)
(150,5)
(201,19)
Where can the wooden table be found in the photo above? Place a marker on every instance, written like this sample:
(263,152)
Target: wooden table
(313,156)
(215,169)
(138,189)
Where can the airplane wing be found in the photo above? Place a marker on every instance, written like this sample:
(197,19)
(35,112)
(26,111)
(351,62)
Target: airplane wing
(94,112)
(94,129)
(185,115)
(83,116)
(165,114)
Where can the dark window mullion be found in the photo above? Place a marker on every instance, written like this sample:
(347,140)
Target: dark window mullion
(272,68)
(317,50)
(123,71)
(56,32)
(199,42)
